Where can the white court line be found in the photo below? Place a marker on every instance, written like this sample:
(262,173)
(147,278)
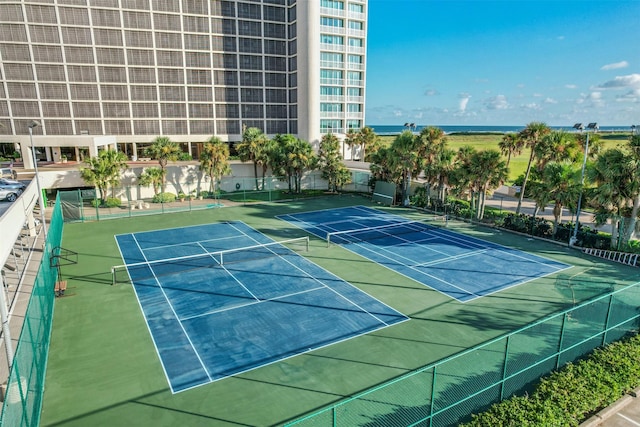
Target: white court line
(417,271)
(629,419)
(222,310)
(330,288)
(176,317)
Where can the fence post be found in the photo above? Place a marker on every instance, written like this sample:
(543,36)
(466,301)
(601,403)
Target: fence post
(504,368)
(606,322)
(560,341)
(433,395)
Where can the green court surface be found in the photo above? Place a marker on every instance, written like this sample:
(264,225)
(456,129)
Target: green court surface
(103,369)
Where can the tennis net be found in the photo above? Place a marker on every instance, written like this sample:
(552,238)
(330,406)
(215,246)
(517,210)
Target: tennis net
(127,273)
(381,231)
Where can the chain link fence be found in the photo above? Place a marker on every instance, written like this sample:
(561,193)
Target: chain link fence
(25,387)
(136,200)
(449,391)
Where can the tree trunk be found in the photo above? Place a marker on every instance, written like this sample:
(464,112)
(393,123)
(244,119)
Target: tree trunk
(255,173)
(631,227)
(524,184)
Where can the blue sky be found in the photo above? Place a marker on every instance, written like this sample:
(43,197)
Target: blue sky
(507,62)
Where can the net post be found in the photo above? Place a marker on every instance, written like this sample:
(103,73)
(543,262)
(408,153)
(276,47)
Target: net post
(113,276)
(328,240)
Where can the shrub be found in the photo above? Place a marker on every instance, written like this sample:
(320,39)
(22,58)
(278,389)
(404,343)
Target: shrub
(112,202)
(164,198)
(574,393)
(185,157)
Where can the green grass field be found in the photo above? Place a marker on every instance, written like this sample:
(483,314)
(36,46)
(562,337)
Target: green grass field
(518,165)
(103,369)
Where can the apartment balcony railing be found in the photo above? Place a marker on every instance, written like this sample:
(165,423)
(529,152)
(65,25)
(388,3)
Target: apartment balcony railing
(331,64)
(332,82)
(334,12)
(327,47)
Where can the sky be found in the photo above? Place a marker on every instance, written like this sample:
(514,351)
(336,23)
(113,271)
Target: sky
(509,62)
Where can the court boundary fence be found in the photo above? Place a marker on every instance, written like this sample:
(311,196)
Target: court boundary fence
(25,388)
(447,392)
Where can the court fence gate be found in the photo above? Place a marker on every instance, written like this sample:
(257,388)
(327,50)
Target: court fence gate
(448,391)
(25,387)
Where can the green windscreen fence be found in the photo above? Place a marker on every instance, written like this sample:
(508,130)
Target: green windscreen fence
(447,392)
(25,387)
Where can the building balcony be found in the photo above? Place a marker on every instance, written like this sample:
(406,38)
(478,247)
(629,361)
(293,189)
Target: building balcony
(356,15)
(356,49)
(332,47)
(331,114)
(358,83)
(355,99)
(357,33)
(329,11)
(332,98)
(331,64)
(327,29)
(355,66)
(332,82)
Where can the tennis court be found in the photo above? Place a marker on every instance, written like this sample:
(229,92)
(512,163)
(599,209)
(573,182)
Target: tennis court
(459,266)
(220,299)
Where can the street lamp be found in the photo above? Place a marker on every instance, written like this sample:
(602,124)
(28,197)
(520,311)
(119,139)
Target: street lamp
(578,126)
(32,125)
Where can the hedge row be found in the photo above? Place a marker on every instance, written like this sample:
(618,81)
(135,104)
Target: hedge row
(574,393)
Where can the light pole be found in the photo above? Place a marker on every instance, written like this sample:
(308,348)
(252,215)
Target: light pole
(594,127)
(32,125)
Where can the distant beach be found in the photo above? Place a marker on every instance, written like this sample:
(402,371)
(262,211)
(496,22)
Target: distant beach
(449,129)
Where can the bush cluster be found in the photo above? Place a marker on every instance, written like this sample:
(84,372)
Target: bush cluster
(574,393)
(109,202)
(164,198)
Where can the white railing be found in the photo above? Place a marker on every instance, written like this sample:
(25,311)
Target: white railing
(329,11)
(332,47)
(331,64)
(334,82)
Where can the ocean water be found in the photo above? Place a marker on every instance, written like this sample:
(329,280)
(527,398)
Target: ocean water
(396,129)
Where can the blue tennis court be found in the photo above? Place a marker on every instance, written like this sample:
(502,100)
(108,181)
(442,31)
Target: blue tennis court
(221,299)
(460,266)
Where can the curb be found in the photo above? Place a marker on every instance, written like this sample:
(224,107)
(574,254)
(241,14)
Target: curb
(612,409)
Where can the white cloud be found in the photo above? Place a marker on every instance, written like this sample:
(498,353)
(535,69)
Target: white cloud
(498,102)
(431,92)
(629,81)
(550,101)
(560,38)
(594,96)
(631,96)
(615,66)
(398,113)
(570,86)
(464,100)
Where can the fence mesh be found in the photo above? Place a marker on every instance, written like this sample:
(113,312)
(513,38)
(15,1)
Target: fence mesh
(448,391)
(136,200)
(25,387)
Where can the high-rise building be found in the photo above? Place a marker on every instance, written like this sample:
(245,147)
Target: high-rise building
(101,72)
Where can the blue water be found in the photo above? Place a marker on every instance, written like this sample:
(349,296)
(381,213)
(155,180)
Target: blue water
(396,129)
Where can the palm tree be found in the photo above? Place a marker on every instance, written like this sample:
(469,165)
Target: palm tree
(251,149)
(333,170)
(405,161)
(163,150)
(152,176)
(556,146)
(432,150)
(289,157)
(511,145)
(350,140)
(531,136)
(560,183)
(104,171)
(481,172)
(214,160)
